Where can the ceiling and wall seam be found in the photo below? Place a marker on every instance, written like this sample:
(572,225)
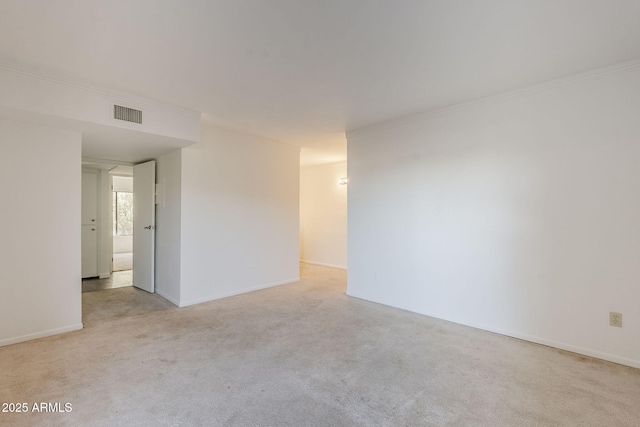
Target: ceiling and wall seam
(575,79)
(113,96)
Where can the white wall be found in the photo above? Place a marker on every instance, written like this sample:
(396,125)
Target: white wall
(240,215)
(168,212)
(49,97)
(123,183)
(519,215)
(122,244)
(40,246)
(323,215)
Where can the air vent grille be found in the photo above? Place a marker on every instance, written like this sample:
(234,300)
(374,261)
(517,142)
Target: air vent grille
(127,114)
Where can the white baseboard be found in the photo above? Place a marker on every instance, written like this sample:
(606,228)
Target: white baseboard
(168,298)
(243,291)
(568,347)
(342,267)
(43,334)
(534,339)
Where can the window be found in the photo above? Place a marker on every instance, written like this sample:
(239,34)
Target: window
(122,213)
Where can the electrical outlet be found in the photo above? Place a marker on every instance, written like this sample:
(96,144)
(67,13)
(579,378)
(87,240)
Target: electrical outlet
(615,319)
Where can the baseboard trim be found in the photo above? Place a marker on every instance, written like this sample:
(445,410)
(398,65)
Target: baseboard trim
(43,334)
(168,298)
(568,347)
(234,293)
(306,261)
(525,337)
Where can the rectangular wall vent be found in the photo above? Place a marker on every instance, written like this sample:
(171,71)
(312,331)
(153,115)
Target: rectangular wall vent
(127,114)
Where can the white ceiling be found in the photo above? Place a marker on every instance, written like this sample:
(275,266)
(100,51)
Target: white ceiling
(304,72)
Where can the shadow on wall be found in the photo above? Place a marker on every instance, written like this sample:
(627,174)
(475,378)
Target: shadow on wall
(323,215)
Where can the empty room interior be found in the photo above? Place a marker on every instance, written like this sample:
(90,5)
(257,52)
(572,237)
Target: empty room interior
(344,213)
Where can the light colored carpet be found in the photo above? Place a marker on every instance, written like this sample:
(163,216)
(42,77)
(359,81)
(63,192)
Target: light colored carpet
(123,261)
(303,354)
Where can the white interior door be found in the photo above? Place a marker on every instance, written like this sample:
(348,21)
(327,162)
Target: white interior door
(89,251)
(90,224)
(89,210)
(144,225)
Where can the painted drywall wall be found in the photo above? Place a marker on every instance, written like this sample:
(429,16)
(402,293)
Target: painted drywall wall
(517,215)
(323,215)
(123,183)
(40,246)
(43,95)
(240,215)
(122,244)
(168,240)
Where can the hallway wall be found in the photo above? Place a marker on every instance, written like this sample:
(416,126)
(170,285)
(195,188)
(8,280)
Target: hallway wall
(519,214)
(323,215)
(40,249)
(239,215)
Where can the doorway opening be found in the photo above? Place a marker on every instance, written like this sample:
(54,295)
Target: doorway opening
(112,250)
(114,222)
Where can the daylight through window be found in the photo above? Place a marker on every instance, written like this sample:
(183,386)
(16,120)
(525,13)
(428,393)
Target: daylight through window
(122,213)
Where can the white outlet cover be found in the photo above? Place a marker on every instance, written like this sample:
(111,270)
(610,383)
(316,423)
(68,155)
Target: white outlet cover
(615,319)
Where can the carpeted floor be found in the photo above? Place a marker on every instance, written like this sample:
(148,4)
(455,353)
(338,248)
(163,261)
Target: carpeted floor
(302,354)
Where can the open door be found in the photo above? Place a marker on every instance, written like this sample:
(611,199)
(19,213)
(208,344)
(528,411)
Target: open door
(144,225)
